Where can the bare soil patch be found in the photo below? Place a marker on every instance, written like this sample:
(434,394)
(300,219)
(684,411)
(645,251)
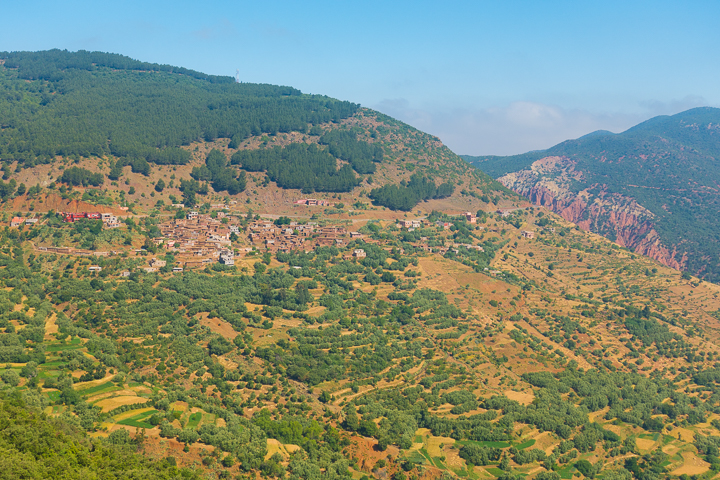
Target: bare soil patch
(367,452)
(645,444)
(692,465)
(219,326)
(51,327)
(274,446)
(114,402)
(525,397)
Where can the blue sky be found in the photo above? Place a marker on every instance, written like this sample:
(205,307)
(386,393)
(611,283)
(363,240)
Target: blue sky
(486,77)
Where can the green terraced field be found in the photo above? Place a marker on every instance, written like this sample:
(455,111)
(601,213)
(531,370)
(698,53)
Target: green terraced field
(107,386)
(194,420)
(526,444)
(137,420)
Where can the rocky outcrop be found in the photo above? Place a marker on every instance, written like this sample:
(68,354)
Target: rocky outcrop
(549,182)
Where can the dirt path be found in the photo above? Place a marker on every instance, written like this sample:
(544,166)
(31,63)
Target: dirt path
(51,327)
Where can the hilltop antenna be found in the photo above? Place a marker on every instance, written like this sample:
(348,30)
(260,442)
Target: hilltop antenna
(237,76)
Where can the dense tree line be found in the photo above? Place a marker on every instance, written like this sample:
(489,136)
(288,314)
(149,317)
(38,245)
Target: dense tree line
(9,188)
(408,194)
(36,446)
(190,189)
(217,172)
(92,104)
(299,165)
(79,176)
(344,145)
(51,64)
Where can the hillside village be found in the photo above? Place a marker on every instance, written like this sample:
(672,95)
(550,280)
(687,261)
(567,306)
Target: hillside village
(199,240)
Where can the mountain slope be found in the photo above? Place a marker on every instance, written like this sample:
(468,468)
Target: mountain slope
(653,188)
(337,344)
(405,360)
(106,112)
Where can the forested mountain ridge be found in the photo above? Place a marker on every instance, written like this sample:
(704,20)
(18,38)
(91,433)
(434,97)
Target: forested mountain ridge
(652,188)
(106,112)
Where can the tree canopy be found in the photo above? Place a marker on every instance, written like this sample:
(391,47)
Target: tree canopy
(63,103)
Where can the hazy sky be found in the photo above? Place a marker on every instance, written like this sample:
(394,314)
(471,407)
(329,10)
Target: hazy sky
(486,77)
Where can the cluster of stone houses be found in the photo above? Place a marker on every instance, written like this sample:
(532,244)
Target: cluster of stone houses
(155,265)
(198,234)
(110,221)
(227,257)
(296,236)
(198,240)
(357,253)
(329,236)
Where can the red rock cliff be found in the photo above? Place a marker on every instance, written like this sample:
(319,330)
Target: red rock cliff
(614,216)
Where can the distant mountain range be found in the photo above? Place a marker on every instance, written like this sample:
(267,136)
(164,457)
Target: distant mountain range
(653,188)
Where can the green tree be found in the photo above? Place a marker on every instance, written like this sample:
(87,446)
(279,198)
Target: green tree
(10,377)
(352,422)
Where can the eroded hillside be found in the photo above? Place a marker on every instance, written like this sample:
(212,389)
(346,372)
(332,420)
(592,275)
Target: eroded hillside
(620,218)
(652,188)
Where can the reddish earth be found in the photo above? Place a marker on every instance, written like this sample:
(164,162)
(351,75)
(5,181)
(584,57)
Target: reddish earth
(54,202)
(615,216)
(630,229)
(219,326)
(367,453)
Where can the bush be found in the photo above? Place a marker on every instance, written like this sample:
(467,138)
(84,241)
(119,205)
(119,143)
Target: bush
(219,346)
(10,377)
(120,437)
(584,467)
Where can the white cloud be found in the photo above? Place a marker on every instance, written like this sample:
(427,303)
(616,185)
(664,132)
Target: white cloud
(656,107)
(222,29)
(531,115)
(521,126)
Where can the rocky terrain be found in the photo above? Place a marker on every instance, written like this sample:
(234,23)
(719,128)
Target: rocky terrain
(652,189)
(615,216)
